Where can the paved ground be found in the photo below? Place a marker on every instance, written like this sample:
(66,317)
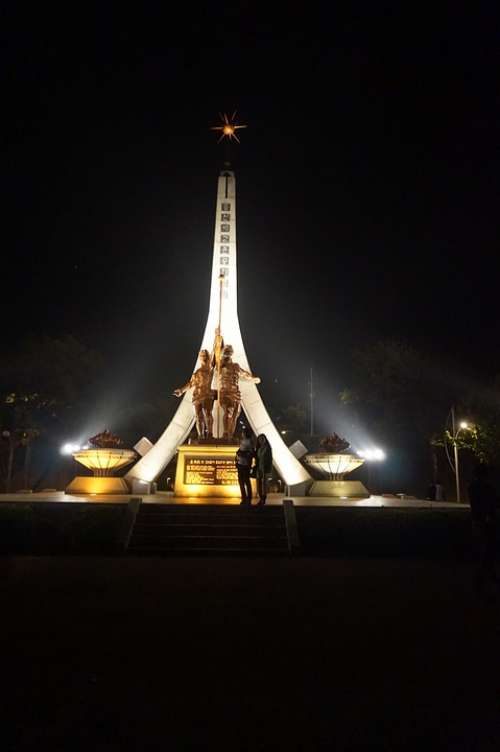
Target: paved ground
(257,654)
(273,499)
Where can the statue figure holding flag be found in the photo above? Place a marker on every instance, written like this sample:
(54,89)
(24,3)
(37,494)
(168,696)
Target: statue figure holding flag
(203,395)
(229,393)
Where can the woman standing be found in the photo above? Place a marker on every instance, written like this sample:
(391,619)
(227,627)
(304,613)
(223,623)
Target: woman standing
(243,460)
(263,466)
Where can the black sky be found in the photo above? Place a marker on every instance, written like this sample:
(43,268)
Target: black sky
(368,184)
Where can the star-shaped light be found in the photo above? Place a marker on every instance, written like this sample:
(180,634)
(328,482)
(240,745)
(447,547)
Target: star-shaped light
(228,128)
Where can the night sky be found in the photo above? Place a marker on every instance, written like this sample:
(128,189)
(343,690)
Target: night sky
(367,187)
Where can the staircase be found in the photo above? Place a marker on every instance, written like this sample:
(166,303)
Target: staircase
(165,529)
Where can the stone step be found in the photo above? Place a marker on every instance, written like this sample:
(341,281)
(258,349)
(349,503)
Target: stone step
(206,531)
(163,529)
(228,550)
(195,542)
(248,540)
(159,522)
(155,510)
(255,519)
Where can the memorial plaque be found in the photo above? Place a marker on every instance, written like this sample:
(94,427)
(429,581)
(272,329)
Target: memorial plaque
(209,471)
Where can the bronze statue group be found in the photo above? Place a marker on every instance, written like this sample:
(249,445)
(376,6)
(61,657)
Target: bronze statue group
(219,364)
(251,461)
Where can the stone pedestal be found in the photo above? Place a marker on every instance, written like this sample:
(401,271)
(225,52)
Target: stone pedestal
(103,461)
(205,470)
(88,484)
(338,489)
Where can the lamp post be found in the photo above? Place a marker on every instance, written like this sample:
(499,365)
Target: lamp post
(10,462)
(454,433)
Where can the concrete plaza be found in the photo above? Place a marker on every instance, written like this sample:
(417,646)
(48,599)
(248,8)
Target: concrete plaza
(247,654)
(274,499)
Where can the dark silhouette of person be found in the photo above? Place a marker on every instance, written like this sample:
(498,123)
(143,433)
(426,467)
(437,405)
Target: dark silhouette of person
(264,466)
(243,460)
(483,501)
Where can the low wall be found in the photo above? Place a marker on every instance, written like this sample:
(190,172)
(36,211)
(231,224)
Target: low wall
(101,528)
(384,531)
(73,527)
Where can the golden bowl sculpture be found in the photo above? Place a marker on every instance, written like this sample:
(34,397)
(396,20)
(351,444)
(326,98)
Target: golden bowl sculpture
(104,462)
(333,465)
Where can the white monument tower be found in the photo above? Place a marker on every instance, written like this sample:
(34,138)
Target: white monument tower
(224,310)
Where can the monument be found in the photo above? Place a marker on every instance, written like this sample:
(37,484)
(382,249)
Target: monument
(222,384)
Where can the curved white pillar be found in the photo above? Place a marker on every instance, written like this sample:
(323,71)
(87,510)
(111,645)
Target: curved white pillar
(224,262)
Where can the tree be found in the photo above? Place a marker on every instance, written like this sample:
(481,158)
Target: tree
(292,418)
(398,389)
(45,387)
(481,438)
(63,368)
(404,396)
(22,420)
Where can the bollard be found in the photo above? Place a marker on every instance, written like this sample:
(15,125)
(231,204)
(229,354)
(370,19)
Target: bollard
(133,507)
(292,530)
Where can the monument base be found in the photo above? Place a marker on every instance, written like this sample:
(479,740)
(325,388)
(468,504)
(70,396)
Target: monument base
(207,470)
(339,488)
(211,442)
(299,489)
(88,484)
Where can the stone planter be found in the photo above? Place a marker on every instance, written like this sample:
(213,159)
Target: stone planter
(103,463)
(332,468)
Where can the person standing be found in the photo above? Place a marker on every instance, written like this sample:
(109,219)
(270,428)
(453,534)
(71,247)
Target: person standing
(483,506)
(263,466)
(243,461)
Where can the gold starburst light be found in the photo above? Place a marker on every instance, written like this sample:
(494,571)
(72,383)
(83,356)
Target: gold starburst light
(228,128)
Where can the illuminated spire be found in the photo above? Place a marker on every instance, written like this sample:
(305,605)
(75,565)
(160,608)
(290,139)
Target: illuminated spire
(223,318)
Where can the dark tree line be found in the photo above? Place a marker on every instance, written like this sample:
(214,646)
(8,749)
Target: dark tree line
(48,390)
(49,387)
(45,387)
(405,395)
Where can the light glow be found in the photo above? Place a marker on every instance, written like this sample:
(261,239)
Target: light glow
(372,455)
(464,424)
(228,128)
(69,448)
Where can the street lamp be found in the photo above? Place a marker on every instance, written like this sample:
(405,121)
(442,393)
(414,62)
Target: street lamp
(462,426)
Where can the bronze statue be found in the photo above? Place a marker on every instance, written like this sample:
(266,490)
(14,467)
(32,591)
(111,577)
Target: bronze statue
(229,394)
(203,395)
